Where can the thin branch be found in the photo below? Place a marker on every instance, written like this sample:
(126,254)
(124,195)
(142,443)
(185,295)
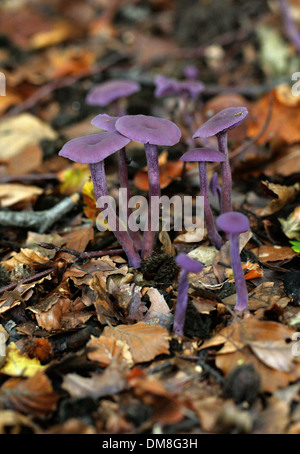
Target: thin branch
(38,220)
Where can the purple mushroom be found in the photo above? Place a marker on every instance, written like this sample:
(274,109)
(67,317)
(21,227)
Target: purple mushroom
(203,155)
(235,223)
(151,131)
(108,123)
(112,91)
(93,150)
(219,125)
(215,188)
(166,86)
(188,265)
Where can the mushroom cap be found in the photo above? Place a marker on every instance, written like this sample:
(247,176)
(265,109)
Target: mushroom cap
(148,129)
(166,86)
(188,264)
(105,122)
(203,155)
(93,148)
(233,222)
(103,94)
(222,122)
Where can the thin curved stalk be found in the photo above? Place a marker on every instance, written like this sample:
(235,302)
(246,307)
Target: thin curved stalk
(226,174)
(239,278)
(212,232)
(100,188)
(154,191)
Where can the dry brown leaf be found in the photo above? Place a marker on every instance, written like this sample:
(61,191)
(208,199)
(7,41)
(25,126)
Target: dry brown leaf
(271,253)
(104,350)
(15,423)
(145,342)
(16,134)
(159,312)
(108,383)
(291,225)
(281,196)
(33,395)
(60,32)
(284,124)
(11,194)
(26,256)
(271,379)
(208,410)
(105,309)
(264,296)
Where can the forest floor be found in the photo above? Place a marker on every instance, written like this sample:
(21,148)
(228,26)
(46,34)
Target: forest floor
(86,342)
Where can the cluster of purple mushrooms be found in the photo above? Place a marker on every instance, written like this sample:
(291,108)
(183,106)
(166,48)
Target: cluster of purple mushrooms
(116,133)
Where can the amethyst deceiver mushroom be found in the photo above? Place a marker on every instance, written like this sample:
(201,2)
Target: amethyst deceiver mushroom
(111,91)
(108,123)
(215,188)
(235,223)
(165,86)
(219,125)
(152,132)
(93,150)
(203,155)
(187,265)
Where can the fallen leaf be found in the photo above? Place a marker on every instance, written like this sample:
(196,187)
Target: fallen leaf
(26,256)
(145,341)
(33,395)
(104,350)
(159,312)
(18,364)
(108,383)
(291,225)
(18,135)
(11,194)
(281,196)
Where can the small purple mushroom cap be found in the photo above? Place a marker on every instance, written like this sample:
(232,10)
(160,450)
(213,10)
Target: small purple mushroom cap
(171,87)
(188,264)
(107,92)
(222,122)
(233,222)
(105,122)
(93,148)
(164,86)
(148,129)
(203,155)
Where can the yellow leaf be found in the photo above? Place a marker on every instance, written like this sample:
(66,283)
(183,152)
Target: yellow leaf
(73,178)
(18,364)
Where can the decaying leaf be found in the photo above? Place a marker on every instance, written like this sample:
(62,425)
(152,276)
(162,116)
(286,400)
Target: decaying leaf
(291,225)
(281,196)
(159,312)
(108,383)
(12,194)
(18,364)
(25,257)
(104,350)
(33,395)
(145,341)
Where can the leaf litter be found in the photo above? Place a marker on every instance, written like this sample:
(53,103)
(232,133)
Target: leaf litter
(88,330)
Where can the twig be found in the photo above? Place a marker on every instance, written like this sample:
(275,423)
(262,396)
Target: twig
(33,278)
(81,255)
(28,177)
(38,220)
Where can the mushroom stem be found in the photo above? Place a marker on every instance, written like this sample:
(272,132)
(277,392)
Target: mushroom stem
(181,304)
(154,190)
(212,232)
(226,174)
(100,188)
(240,283)
(124,184)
